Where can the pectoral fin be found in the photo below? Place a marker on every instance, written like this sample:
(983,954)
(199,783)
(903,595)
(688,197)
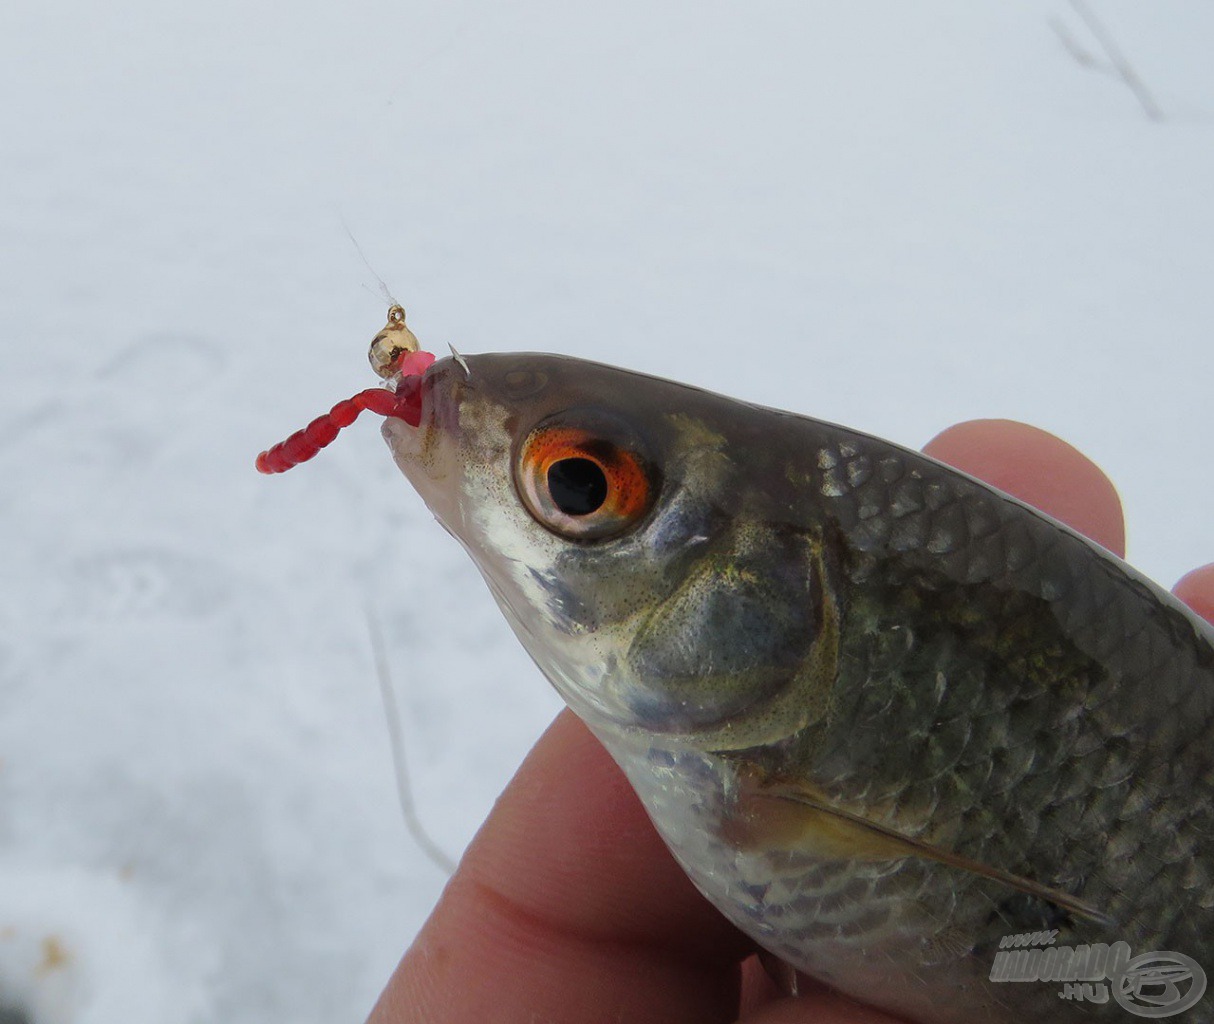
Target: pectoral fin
(782,974)
(784,817)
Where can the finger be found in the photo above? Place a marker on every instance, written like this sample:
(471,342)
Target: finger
(1197,591)
(1040,469)
(567,907)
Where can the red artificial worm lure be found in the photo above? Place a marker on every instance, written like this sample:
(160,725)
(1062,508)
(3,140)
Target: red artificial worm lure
(395,356)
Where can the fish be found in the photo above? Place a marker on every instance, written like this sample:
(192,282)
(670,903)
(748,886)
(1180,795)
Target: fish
(918,740)
(892,722)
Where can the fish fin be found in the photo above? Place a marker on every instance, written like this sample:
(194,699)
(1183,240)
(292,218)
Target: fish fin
(783,975)
(785,816)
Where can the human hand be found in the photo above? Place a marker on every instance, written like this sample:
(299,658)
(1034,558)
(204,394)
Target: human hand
(568,907)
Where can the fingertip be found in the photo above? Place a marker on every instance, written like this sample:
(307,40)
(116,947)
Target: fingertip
(1040,469)
(1196,589)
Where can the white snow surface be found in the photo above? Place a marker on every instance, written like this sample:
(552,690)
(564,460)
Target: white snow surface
(890,215)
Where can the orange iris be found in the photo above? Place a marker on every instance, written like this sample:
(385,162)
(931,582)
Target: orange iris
(625,486)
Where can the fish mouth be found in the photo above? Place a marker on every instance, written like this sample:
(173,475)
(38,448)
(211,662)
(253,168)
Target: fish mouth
(428,454)
(441,388)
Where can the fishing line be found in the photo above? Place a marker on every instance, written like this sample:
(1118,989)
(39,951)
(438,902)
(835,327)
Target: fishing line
(387,292)
(413,825)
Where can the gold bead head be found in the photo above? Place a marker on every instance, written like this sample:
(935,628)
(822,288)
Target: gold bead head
(393,341)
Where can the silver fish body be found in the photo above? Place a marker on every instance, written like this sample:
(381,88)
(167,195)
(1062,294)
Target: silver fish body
(884,715)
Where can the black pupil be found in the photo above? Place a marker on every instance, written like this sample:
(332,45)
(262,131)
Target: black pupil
(578,486)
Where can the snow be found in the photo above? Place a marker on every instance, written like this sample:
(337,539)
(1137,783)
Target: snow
(893,216)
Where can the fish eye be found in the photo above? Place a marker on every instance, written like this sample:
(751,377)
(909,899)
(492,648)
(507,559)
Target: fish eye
(583,482)
(578,486)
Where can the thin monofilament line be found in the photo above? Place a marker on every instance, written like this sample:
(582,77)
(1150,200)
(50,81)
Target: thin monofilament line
(413,824)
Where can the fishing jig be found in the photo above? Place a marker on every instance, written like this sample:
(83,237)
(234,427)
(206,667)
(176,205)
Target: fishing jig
(395,355)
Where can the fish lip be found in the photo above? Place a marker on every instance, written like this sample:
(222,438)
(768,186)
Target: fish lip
(444,403)
(399,435)
(443,387)
(424,453)
(439,407)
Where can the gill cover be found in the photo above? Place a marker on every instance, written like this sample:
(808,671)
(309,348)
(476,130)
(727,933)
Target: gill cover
(744,649)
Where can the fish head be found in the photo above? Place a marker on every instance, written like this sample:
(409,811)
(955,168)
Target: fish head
(607,515)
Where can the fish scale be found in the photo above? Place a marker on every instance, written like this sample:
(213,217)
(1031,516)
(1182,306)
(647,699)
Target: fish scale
(1120,639)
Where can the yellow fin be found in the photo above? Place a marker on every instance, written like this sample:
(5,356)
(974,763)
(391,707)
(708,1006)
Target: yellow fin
(784,817)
